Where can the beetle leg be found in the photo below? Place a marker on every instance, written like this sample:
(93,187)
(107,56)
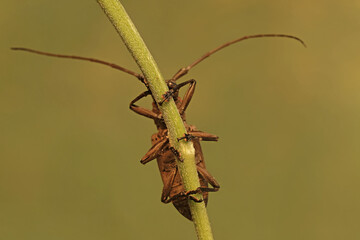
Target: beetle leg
(167,187)
(196,199)
(201,190)
(187,97)
(209,178)
(166,96)
(176,153)
(184,194)
(187,137)
(189,194)
(143,111)
(154,150)
(203,136)
(168,199)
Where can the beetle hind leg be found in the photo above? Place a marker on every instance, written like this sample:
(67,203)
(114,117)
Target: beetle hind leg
(196,199)
(201,190)
(209,178)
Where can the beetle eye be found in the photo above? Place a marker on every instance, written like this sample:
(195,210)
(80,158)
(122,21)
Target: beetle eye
(171,84)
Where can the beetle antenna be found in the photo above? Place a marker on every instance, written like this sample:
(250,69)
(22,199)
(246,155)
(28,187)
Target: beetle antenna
(113,65)
(185,70)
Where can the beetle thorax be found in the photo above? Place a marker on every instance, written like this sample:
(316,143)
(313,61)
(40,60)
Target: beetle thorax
(160,123)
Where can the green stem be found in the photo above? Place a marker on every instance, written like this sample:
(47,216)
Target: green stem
(132,39)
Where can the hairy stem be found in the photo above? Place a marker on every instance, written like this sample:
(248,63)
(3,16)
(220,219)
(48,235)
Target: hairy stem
(132,39)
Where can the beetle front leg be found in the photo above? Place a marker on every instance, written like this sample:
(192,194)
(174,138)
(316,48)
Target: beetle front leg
(202,136)
(188,95)
(196,199)
(143,111)
(174,88)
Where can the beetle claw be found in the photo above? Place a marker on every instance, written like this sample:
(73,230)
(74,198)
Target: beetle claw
(187,137)
(177,154)
(195,199)
(166,96)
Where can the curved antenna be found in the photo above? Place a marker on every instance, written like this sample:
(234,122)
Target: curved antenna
(185,70)
(113,65)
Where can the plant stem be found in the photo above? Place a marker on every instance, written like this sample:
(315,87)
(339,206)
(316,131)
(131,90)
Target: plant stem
(133,41)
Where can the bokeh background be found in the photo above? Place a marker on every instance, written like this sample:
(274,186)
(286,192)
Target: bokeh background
(287,116)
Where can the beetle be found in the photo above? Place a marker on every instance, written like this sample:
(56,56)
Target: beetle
(173,190)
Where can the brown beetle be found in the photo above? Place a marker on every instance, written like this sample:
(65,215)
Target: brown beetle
(173,190)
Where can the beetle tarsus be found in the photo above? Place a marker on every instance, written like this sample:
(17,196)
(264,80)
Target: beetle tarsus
(187,137)
(177,154)
(187,194)
(166,96)
(196,199)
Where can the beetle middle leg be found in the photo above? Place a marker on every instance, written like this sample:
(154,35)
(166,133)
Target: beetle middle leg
(204,136)
(155,150)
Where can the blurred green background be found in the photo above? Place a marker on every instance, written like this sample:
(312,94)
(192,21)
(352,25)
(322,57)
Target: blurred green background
(287,116)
